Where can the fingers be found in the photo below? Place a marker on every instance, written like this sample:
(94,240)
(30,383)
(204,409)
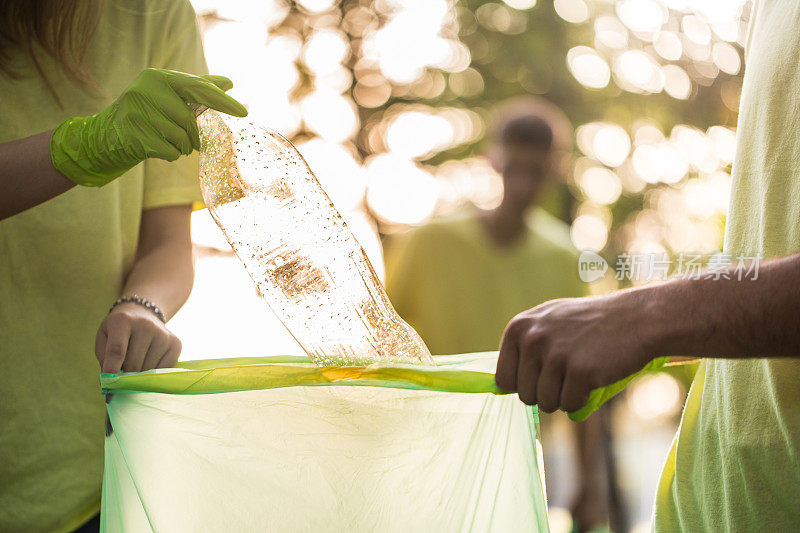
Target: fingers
(116,347)
(182,115)
(133,340)
(146,352)
(171,357)
(527,365)
(100,342)
(158,147)
(163,125)
(507,362)
(200,90)
(548,388)
(158,348)
(174,133)
(138,346)
(220,81)
(528,376)
(574,394)
(163,150)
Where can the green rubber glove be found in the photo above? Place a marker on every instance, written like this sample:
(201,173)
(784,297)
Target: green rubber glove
(150,118)
(600,396)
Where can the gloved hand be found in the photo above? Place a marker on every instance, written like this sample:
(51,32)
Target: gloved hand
(151,118)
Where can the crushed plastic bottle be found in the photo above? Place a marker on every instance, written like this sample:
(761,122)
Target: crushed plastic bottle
(304,260)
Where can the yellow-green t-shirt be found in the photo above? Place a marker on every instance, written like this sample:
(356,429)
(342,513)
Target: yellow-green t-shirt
(735,462)
(63,263)
(458,289)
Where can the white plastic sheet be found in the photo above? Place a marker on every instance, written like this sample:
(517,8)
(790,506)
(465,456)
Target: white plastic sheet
(323,458)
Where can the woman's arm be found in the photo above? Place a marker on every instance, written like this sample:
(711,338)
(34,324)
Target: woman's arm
(27,174)
(132,338)
(150,118)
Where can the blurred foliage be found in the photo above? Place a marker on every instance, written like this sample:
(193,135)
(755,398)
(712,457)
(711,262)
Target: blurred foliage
(661,64)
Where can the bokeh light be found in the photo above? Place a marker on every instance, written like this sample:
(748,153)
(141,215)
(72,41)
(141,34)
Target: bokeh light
(676,82)
(324,51)
(589,232)
(644,16)
(610,33)
(637,71)
(656,396)
(330,115)
(337,170)
(600,185)
(400,191)
(413,134)
(575,11)
(668,45)
(588,67)
(388,99)
(520,4)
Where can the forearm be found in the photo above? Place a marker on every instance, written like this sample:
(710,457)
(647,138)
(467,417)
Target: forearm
(164,270)
(726,318)
(163,276)
(27,175)
(131,338)
(557,353)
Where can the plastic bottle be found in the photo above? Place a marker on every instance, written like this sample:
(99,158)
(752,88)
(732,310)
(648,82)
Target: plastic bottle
(304,260)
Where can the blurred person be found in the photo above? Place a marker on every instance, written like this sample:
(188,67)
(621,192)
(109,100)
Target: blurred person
(458,280)
(91,211)
(735,462)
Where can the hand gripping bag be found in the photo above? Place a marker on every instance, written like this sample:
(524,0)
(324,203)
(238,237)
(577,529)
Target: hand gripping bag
(279,444)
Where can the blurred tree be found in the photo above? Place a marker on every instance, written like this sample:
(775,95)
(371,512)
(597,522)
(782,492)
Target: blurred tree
(651,86)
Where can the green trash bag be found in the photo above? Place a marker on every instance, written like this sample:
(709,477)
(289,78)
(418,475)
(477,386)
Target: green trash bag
(600,396)
(278,444)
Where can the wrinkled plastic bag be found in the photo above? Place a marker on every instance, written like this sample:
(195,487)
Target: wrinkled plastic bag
(278,444)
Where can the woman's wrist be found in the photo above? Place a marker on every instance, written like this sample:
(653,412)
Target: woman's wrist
(142,303)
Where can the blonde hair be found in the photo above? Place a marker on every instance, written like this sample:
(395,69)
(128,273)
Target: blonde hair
(61,28)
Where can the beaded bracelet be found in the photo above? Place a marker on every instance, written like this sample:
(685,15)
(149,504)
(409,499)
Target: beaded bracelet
(147,304)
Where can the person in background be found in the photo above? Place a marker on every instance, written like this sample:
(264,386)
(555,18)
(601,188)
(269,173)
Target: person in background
(735,462)
(95,199)
(458,280)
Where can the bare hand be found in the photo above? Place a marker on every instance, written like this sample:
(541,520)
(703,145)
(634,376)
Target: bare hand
(555,354)
(132,339)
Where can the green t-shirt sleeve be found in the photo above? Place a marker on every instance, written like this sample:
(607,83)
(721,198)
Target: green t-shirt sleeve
(177,45)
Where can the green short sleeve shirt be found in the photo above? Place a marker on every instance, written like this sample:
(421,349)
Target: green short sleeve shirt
(735,463)
(63,263)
